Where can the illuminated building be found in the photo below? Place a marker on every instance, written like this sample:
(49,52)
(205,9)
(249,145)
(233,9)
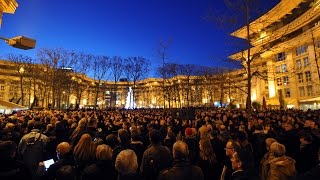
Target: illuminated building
(286,41)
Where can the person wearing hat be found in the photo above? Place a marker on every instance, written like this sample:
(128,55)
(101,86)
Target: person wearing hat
(191,140)
(9,167)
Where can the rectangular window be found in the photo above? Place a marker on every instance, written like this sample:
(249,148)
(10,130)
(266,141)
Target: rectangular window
(287,92)
(266,85)
(308,76)
(285,80)
(309,90)
(281,56)
(306,62)
(301,91)
(278,70)
(300,77)
(284,68)
(279,81)
(2,88)
(299,64)
(301,50)
(318,43)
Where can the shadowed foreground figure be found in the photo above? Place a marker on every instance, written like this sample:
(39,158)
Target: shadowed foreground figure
(10,168)
(182,169)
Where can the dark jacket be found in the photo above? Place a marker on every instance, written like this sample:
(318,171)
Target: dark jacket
(50,174)
(11,170)
(99,170)
(313,174)
(306,158)
(130,177)
(182,170)
(155,159)
(243,175)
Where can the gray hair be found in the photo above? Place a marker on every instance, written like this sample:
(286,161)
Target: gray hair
(126,162)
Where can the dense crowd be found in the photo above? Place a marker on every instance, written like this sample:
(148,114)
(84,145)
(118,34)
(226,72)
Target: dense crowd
(160,144)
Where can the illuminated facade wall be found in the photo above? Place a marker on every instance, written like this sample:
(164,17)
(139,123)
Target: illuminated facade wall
(287,42)
(7,6)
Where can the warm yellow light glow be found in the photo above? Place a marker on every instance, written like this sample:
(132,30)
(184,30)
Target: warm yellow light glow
(204,100)
(254,95)
(84,101)
(153,100)
(272,91)
(263,35)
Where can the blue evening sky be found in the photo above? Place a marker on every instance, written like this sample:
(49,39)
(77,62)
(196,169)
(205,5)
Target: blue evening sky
(121,28)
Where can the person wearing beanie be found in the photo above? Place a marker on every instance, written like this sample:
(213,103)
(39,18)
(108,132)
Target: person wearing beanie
(188,132)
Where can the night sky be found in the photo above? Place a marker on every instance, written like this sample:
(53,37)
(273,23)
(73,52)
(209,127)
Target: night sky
(122,28)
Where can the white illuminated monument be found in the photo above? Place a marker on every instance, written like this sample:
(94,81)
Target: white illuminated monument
(130,104)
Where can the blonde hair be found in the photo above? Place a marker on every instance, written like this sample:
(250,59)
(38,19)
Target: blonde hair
(103,152)
(269,141)
(126,162)
(278,149)
(85,149)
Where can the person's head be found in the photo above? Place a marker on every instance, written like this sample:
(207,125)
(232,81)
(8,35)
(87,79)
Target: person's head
(124,136)
(63,149)
(9,127)
(206,150)
(135,136)
(188,132)
(222,128)
(278,149)
(232,147)
(288,126)
(92,122)
(305,138)
(155,136)
(111,140)
(66,172)
(82,123)
(126,162)
(85,149)
(7,150)
(269,141)
(103,152)
(242,160)
(180,150)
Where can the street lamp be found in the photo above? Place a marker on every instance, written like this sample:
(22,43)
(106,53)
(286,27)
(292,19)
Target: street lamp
(20,42)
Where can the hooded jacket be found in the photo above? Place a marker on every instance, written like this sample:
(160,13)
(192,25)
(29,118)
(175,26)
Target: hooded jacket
(282,168)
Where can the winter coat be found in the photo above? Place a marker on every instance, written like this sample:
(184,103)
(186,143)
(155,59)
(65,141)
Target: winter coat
(182,170)
(264,167)
(282,168)
(32,148)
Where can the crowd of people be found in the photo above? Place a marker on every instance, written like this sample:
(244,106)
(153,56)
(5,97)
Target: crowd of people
(148,144)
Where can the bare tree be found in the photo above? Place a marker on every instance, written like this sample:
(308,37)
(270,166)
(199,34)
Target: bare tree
(117,66)
(21,64)
(58,62)
(135,69)
(162,54)
(100,67)
(80,67)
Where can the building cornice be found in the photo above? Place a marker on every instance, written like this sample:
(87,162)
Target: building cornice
(300,22)
(276,13)
(8,6)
